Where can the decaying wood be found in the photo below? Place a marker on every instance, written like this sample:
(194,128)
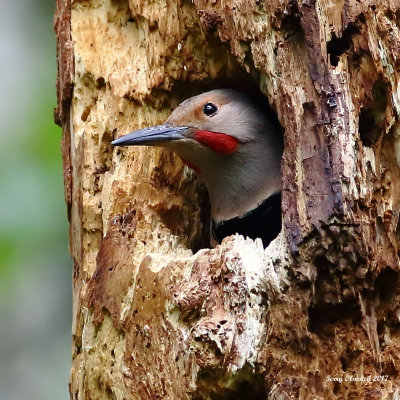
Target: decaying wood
(315,315)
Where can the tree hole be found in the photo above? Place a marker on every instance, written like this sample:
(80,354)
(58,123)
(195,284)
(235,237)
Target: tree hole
(289,22)
(265,220)
(323,315)
(244,384)
(372,121)
(339,45)
(386,284)
(367,127)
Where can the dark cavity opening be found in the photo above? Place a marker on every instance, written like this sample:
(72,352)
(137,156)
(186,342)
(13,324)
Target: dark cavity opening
(339,45)
(372,121)
(266,223)
(244,384)
(386,285)
(323,315)
(289,23)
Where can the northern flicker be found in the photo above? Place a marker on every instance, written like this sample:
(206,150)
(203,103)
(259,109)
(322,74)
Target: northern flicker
(237,149)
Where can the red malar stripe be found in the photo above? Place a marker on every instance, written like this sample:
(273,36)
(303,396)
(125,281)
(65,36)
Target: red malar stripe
(219,142)
(192,166)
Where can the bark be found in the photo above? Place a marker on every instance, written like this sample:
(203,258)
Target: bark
(315,315)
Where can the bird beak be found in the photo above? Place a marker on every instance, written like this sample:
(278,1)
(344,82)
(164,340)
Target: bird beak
(160,133)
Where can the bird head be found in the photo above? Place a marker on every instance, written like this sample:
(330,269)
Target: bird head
(211,125)
(223,136)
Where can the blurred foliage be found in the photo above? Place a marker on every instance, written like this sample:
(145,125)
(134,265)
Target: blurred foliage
(35,267)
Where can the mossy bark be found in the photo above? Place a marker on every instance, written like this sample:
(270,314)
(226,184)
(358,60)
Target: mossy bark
(316,314)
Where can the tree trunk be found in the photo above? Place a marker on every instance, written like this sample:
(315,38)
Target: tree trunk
(315,315)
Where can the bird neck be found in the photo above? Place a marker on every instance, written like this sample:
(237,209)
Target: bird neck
(242,182)
(236,182)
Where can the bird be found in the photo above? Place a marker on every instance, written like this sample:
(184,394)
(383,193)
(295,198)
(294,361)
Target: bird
(237,149)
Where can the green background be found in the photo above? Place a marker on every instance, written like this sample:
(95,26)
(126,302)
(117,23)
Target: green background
(35,267)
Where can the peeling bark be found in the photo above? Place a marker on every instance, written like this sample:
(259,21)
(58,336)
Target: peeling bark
(154,316)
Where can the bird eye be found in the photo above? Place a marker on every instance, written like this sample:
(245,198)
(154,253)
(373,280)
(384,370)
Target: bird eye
(210,109)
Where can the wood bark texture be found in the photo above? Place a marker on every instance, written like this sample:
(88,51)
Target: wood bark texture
(158,315)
